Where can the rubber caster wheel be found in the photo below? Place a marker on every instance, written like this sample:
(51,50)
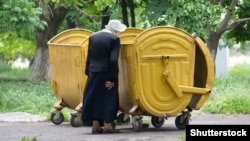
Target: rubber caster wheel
(75,120)
(181,122)
(57,117)
(137,124)
(157,122)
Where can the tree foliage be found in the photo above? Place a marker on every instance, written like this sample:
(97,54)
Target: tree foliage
(11,46)
(192,15)
(209,19)
(19,21)
(19,15)
(241,32)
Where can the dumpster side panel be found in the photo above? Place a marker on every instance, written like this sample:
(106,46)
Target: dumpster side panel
(126,84)
(66,62)
(84,53)
(126,71)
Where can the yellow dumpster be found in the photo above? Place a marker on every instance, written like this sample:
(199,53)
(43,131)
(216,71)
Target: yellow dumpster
(67,53)
(164,72)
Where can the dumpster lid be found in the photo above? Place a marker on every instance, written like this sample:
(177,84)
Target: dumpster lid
(71,37)
(128,36)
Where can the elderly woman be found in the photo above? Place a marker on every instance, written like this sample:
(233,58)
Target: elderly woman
(100,100)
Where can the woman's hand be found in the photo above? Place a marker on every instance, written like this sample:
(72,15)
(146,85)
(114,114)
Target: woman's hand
(109,84)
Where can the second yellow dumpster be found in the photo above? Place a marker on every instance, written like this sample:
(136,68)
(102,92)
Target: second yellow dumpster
(163,68)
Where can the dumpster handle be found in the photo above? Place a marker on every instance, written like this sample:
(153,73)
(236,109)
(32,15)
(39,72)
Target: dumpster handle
(170,77)
(195,90)
(169,57)
(178,89)
(172,83)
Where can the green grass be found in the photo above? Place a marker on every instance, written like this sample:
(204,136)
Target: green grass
(28,139)
(7,71)
(230,95)
(24,96)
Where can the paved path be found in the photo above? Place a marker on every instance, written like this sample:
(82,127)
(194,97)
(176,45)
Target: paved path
(20,117)
(34,126)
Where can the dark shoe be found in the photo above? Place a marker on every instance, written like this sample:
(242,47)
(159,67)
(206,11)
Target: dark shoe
(113,125)
(108,131)
(97,131)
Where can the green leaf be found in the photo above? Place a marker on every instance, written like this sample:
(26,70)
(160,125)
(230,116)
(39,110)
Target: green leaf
(17,9)
(13,19)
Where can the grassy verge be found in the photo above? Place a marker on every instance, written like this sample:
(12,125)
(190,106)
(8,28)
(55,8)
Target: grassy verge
(230,95)
(24,96)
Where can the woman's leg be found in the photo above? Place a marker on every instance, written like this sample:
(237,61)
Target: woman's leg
(111,108)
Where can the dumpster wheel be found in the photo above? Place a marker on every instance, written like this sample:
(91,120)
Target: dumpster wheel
(157,122)
(123,118)
(137,123)
(57,117)
(75,119)
(182,120)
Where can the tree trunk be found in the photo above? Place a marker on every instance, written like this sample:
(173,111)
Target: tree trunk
(124,12)
(212,43)
(214,37)
(132,12)
(54,17)
(105,17)
(71,24)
